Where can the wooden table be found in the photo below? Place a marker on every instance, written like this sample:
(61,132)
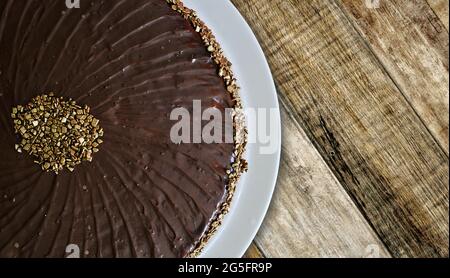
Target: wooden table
(363,88)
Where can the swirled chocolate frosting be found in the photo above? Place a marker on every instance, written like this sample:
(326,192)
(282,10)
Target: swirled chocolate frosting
(132,62)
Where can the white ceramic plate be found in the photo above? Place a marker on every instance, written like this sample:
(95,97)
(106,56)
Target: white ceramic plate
(255,189)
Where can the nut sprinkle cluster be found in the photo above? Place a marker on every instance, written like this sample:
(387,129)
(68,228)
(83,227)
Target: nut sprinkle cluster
(59,134)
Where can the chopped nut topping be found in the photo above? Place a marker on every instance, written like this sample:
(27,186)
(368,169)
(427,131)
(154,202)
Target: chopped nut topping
(59,134)
(241,135)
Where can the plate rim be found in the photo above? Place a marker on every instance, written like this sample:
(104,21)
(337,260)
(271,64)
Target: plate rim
(213,247)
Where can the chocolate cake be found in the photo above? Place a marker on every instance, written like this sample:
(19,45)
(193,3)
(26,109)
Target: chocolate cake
(131,62)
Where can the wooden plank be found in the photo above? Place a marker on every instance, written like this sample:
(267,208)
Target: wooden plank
(253,252)
(440,7)
(363,127)
(311,214)
(412,44)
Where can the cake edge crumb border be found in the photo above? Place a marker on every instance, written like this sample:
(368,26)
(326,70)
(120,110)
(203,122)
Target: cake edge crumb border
(239,165)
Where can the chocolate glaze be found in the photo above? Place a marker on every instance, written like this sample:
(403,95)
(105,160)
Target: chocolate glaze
(132,62)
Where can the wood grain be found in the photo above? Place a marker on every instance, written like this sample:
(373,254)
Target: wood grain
(355,115)
(311,214)
(412,44)
(440,7)
(253,252)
